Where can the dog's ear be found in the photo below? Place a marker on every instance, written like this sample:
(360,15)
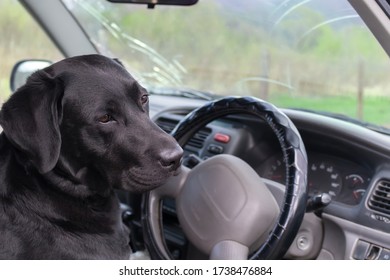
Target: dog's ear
(30,119)
(119,62)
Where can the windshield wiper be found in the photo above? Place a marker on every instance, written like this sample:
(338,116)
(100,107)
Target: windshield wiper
(182,92)
(342,117)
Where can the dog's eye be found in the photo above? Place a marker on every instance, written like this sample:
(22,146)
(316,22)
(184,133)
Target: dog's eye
(106,118)
(144,99)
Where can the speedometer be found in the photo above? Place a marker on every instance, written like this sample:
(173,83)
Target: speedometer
(324,178)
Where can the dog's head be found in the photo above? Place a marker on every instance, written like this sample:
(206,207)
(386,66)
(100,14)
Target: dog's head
(87,117)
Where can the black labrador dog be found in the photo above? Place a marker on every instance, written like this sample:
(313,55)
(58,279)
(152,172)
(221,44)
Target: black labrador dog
(74,133)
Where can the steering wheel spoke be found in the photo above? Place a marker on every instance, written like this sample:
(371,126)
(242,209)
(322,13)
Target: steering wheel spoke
(229,250)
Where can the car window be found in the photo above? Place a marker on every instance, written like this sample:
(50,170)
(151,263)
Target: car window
(313,55)
(20,38)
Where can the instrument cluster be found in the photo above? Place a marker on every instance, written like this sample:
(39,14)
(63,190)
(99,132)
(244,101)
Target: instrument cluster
(345,181)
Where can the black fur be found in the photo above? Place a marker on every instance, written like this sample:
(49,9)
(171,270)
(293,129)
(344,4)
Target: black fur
(72,134)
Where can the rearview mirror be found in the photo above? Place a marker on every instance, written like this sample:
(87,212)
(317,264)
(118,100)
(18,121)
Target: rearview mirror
(23,69)
(152,3)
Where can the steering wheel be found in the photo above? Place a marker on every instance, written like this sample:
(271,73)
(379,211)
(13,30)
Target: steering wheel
(223,206)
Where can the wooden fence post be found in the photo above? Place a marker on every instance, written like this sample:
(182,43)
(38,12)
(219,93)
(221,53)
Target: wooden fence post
(360,92)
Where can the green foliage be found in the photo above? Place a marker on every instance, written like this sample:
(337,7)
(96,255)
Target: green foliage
(363,44)
(328,43)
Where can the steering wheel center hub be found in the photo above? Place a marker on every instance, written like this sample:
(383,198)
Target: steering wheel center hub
(222,196)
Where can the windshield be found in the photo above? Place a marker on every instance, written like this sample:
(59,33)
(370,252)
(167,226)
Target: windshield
(307,54)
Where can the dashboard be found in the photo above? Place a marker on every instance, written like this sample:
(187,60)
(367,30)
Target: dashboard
(346,161)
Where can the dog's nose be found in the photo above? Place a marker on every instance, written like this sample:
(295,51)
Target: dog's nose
(171,159)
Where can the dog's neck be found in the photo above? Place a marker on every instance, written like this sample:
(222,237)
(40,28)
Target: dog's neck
(82,183)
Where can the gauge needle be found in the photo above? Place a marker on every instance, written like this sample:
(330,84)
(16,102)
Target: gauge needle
(358,194)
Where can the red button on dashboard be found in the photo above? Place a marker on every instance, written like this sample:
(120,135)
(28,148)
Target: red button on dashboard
(223,138)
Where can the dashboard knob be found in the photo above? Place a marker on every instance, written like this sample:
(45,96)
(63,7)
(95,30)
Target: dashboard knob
(318,202)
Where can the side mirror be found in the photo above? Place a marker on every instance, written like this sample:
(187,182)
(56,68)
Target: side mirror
(23,69)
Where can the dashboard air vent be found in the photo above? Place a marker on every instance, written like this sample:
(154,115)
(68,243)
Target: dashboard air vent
(198,139)
(380,197)
(195,143)
(166,124)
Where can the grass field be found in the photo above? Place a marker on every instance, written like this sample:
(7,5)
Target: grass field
(376,109)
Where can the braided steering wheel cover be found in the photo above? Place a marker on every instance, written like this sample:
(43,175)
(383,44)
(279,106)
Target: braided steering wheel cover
(294,154)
